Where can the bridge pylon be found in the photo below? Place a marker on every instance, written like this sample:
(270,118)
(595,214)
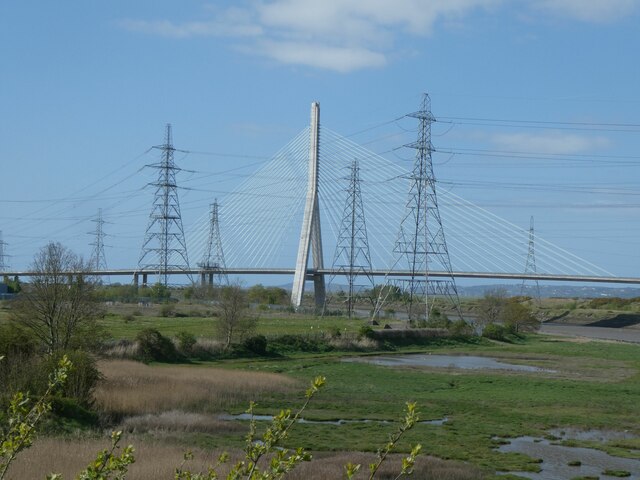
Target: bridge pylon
(310,235)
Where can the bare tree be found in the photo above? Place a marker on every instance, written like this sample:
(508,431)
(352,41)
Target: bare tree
(233,324)
(58,306)
(491,305)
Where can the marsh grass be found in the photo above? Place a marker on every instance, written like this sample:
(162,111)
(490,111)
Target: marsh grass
(157,460)
(131,388)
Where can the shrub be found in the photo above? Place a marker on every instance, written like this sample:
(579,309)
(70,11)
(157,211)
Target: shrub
(460,328)
(494,332)
(299,343)
(366,331)
(82,379)
(186,341)
(153,346)
(167,310)
(256,344)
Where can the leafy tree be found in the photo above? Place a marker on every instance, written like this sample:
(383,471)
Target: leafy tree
(160,292)
(13,286)
(518,317)
(267,295)
(155,347)
(233,324)
(59,304)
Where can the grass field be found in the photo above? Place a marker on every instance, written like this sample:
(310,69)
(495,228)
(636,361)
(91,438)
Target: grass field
(169,408)
(125,322)
(591,385)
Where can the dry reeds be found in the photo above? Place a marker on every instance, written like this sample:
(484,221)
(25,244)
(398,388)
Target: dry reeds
(177,421)
(155,461)
(353,343)
(132,388)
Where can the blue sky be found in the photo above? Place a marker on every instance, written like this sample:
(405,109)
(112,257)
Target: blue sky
(538,102)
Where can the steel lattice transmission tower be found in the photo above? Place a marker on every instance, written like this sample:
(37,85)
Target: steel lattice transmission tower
(530,266)
(421,240)
(98,260)
(213,263)
(352,250)
(4,264)
(164,248)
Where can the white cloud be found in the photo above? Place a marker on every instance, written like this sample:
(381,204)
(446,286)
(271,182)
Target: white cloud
(553,142)
(339,35)
(348,35)
(595,11)
(340,59)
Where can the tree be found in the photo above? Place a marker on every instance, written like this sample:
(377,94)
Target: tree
(59,304)
(491,305)
(233,325)
(519,318)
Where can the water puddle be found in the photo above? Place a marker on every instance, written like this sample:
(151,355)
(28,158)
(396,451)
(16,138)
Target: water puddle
(268,418)
(593,435)
(558,460)
(445,361)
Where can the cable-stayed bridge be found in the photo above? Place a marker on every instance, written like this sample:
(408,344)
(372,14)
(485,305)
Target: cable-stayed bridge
(293,208)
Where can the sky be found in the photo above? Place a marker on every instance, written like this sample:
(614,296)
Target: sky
(536,104)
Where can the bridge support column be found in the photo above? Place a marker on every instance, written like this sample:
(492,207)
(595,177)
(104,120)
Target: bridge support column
(136,279)
(310,235)
(203,279)
(210,283)
(144,280)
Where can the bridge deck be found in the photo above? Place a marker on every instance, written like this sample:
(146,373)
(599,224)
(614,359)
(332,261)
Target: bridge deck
(376,273)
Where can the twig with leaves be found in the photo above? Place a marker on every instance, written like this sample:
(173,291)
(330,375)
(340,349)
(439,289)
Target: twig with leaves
(23,418)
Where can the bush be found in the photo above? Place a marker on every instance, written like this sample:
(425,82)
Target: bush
(83,376)
(460,328)
(366,331)
(299,343)
(167,310)
(186,341)
(494,332)
(256,344)
(153,346)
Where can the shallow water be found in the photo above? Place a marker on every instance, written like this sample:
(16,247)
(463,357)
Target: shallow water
(556,458)
(268,418)
(445,361)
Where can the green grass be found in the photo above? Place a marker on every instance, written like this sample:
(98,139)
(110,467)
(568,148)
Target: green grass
(480,406)
(595,385)
(123,325)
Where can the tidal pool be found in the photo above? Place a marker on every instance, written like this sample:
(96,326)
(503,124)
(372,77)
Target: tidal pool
(268,418)
(556,459)
(445,361)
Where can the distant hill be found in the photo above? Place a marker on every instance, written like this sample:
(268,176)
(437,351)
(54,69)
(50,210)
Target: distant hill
(546,291)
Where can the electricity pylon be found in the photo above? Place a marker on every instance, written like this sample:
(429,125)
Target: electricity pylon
(164,248)
(352,251)
(421,241)
(213,263)
(4,264)
(530,266)
(98,260)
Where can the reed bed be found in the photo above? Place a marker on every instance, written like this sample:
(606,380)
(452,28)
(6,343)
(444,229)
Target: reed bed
(132,388)
(156,461)
(183,422)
